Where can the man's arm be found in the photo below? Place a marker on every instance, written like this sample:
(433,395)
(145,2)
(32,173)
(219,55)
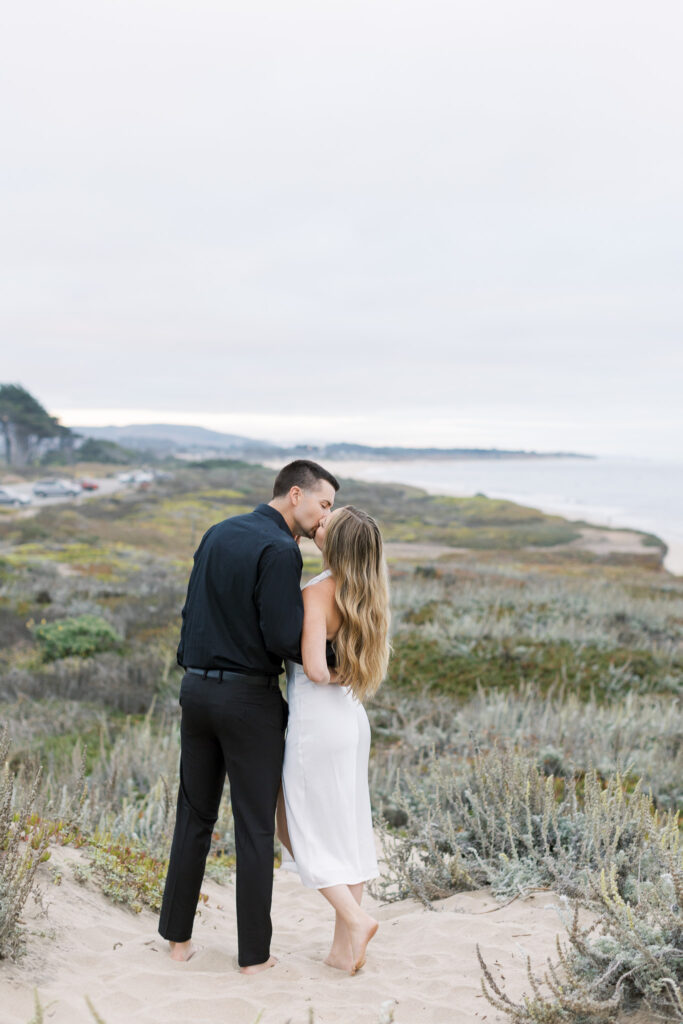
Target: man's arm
(279,603)
(191,588)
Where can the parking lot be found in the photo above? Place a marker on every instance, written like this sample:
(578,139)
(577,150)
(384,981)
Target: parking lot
(105,485)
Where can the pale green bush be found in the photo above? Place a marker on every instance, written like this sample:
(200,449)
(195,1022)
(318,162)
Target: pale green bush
(562,734)
(631,954)
(23,845)
(495,818)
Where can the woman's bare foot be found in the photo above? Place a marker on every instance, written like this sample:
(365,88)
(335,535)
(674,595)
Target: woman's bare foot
(361,932)
(182,951)
(352,925)
(340,954)
(341,957)
(255,968)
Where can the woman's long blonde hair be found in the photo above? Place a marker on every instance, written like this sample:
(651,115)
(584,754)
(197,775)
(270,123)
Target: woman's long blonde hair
(353,552)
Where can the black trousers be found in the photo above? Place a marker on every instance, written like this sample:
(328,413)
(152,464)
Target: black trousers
(235,726)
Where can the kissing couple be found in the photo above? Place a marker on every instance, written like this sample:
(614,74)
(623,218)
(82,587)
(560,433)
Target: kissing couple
(244,615)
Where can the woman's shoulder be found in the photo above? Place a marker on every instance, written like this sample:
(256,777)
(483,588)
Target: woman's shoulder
(326,574)
(320,588)
(320,601)
(322,596)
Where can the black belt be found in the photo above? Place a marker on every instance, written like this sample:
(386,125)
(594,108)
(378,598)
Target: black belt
(225,674)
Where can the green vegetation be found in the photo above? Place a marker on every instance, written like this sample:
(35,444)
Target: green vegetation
(589,634)
(421,662)
(126,873)
(80,637)
(498,819)
(106,452)
(24,422)
(629,955)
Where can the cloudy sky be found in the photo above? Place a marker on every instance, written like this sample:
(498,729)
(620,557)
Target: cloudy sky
(411,222)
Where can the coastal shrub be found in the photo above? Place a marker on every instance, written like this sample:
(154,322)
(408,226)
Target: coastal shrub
(494,818)
(130,792)
(126,684)
(452,634)
(46,732)
(79,637)
(133,786)
(510,605)
(12,627)
(22,847)
(629,955)
(124,869)
(561,733)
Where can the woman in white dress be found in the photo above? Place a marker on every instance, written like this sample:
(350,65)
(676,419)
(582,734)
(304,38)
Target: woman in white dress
(327,827)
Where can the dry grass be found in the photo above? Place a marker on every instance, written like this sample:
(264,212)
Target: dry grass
(22,848)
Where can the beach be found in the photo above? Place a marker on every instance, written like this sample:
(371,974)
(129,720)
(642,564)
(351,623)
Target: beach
(422,965)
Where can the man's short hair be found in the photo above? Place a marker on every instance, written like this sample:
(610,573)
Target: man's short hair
(301,473)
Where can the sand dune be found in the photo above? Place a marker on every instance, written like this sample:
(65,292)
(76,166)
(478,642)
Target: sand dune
(423,961)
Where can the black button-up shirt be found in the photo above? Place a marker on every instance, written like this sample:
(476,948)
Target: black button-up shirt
(244,610)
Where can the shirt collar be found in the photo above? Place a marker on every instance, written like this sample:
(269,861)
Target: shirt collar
(277,517)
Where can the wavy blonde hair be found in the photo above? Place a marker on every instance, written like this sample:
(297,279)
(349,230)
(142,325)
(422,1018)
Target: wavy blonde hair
(353,552)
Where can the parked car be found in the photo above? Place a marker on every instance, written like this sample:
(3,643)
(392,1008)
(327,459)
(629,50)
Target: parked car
(56,489)
(89,485)
(136,476)
(8,497)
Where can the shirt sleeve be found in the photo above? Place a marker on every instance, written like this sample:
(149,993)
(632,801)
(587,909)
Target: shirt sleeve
(191,590)
(279,602)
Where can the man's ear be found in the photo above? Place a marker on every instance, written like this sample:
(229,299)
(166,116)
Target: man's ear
(295,495)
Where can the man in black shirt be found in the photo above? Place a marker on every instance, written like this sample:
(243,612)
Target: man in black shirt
(242,616)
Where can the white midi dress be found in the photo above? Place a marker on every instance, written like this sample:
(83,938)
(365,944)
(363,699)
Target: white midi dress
(325,783)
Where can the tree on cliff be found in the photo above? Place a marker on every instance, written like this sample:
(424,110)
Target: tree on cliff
(24,423)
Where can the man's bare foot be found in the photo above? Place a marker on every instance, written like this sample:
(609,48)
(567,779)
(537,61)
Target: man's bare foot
(340,957)
(182,951)
(255,968)
(361,933)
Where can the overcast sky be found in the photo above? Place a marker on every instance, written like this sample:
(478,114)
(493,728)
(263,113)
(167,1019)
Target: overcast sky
(412,222)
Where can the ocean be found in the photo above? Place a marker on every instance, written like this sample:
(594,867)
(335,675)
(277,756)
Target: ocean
(643,494)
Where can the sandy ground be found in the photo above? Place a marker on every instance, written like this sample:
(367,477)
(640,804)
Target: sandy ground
(423,962)
(607,542)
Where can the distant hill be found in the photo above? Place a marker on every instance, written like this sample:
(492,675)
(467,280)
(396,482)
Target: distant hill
(169,438)
(188,441)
